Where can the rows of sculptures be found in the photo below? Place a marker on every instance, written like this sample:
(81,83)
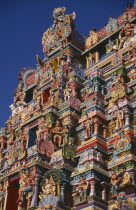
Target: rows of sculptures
(69,142)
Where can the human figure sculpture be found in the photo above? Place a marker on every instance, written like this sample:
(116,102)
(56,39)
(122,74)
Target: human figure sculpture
(119,121)
(41,127)
(57,130)
(54,186)
(67,93)
(92,39)
(3,188)
(90,60)
(115,183)
(83,188)
(126,32)
(27,181)
(37,97)
(87,125)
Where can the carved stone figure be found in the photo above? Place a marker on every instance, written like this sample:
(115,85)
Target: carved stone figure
(59,32)
(126,32)
(119,121)
(57,130)
(3,189)
(112,25)
(83,186)
(37,97)
(115,179)
(87,125)
(126,178)
(67,93)
(27,182)
(90,60)
(92,39)
(50,188)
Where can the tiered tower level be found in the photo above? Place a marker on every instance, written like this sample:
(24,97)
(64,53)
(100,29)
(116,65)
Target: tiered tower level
(70,142)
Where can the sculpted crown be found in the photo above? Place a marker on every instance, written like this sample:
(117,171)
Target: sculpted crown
(60,32)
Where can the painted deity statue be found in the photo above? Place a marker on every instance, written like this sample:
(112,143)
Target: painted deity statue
(3,189)
(92,39)
(83,187)
(119,120)
(57,130)
(87,125)
(115,179)
(49,194)
(126,32)
(67,93)
(112,25)
(126,178)
(27,182)
(37,97)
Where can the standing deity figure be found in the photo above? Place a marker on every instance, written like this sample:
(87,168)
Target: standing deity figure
(92,39)
(90,60)
(37,97)
(19,95)
(115,183)
(27,182)
(67,93)
(3,189)
(119,121)
(41,127)
(87,125)
(24,135)
(12,134)
(126,32)
(57,130)
(83,187)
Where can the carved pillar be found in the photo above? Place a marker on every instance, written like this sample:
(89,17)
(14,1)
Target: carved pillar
(104,131)
(87,62)
(96,128)
(35,196)
(96,87)
(132,174)
(69,57)
(93,181)
(127,119)
(96,56)
(62,191)
(104,191)
(102,91)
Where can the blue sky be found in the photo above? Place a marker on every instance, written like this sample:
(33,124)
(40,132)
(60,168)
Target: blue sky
(22,24)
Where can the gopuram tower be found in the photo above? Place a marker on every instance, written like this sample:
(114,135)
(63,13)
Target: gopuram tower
(70,142)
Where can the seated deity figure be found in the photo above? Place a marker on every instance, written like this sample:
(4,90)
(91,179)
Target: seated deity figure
(57,130)
(92,39)
(126,32)
(46,188)
(54,186)
(27,182)
(126,178)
